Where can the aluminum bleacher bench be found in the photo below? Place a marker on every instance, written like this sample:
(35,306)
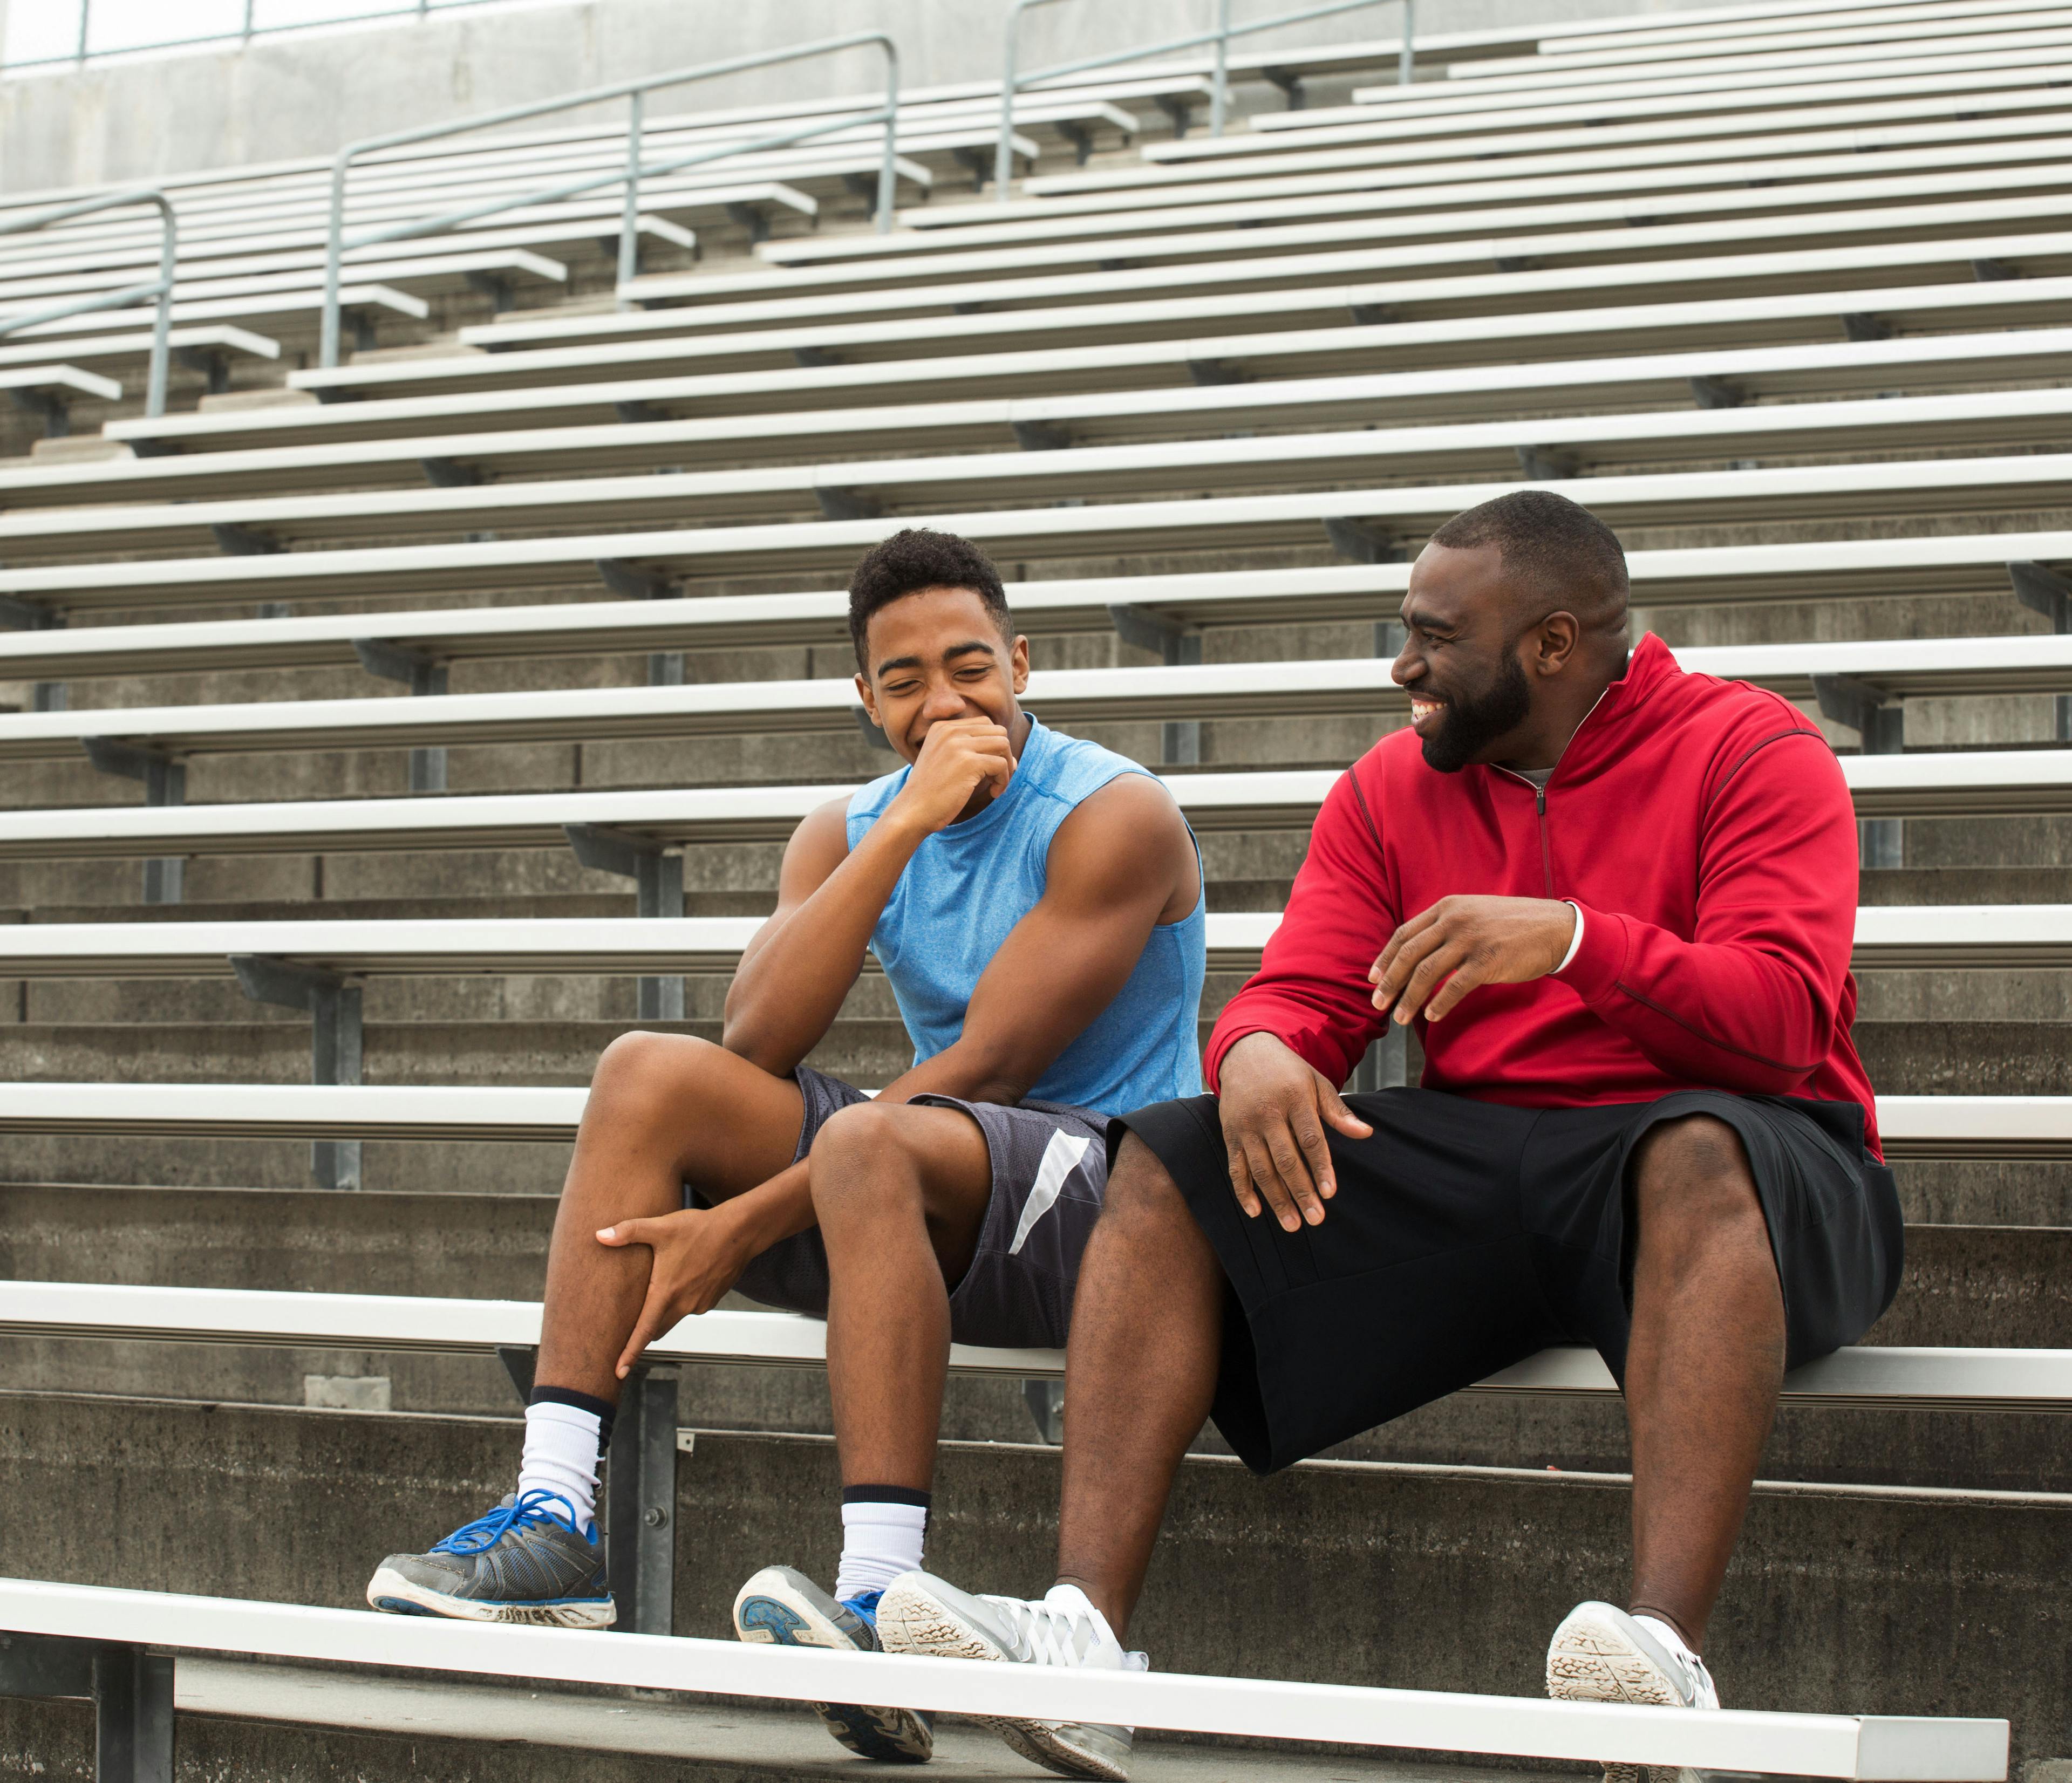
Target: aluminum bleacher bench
(1094,311)
(779,431)
(1807,78)
(1364,525)
(1552,448)
(1612,255)
(1941,564)
(1960,938)
(1889,671)
(1734,110)
(1678,191)
(200,347)
(1963,784)
(1912,1129)
(49,391)
(1959,117)
(758,374)
(88,1640)
(1639,166)
(1428,238)
(294,312)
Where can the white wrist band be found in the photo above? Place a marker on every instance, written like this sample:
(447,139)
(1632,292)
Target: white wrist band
(1575,940)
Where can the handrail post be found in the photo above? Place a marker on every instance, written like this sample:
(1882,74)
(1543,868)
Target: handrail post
(1003,160)
(161,328)
(629,228)
(1219,94)
(85,7)
(334,254)
(888,172)
(1406,55)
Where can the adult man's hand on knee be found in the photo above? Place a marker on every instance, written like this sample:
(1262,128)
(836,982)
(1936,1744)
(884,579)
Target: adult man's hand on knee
(1275,1106)
(700,1253)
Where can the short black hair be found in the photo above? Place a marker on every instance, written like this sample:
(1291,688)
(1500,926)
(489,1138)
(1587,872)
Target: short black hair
(1561,552)
(915,558)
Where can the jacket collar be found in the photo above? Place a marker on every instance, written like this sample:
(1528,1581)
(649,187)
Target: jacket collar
(1606,733)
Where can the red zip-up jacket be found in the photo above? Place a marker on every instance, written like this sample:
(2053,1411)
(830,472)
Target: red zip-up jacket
(1705,830)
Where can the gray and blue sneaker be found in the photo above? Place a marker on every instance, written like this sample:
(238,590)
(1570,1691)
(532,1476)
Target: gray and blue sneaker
(525,1562)
(786,1609)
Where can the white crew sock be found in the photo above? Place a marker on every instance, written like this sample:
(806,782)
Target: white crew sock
(1678,1646)
(880,1541)
(561,1456)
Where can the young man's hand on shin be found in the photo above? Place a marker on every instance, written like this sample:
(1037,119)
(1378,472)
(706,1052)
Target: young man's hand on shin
(1275,1106)
(699,1253)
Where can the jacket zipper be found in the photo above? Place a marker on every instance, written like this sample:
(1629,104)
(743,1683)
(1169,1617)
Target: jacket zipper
(1546,840)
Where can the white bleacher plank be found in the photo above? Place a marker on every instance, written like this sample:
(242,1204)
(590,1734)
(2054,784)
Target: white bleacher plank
(1929,1751)
(1614,255)
(568,386)
(1802,79)
(1092,310)
(1725,24)
(1953,668)
(1962,783)
(1891,121)
(1730,112)
(1669,190)
(137,347)
(2005,419)
(1911,1128)
(277,312)
(776,430)
(1963,938)
(63,380)
(1392,518)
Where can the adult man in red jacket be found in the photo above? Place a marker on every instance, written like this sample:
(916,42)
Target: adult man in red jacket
(1617,901)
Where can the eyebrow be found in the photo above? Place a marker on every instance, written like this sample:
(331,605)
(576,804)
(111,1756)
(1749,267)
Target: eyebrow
(974,645)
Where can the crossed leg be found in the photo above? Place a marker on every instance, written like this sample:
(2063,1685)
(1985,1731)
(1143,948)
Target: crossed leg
(1704,1366)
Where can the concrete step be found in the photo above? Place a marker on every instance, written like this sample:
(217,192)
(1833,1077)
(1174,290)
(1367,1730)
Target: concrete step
(1841,1598)
(1964,1285)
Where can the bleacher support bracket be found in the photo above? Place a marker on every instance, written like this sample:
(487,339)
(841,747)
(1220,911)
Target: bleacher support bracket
(1178,647)
(421,674)
(131,1690)
(1882,724)
(2043,590)
(165,783)
(335,1042)
(658,881)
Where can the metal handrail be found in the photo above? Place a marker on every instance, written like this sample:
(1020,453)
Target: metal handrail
(1011,82)
(418,9)
(161,287)
(632,174)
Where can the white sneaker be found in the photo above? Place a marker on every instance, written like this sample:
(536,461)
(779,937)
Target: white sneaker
(1601,1654)
(920,1613)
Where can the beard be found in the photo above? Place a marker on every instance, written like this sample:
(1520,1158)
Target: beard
(1469,724)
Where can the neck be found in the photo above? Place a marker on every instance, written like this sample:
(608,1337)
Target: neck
(1540,742)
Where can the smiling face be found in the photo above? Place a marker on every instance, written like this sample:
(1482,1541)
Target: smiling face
(936,655)
(1463,661)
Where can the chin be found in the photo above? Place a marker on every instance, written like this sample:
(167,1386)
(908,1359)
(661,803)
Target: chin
(1439,757)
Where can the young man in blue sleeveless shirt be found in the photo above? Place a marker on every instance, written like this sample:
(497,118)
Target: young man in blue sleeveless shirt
(1037,903)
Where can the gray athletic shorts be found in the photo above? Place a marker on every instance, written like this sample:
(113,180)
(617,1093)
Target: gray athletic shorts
(1050,1170)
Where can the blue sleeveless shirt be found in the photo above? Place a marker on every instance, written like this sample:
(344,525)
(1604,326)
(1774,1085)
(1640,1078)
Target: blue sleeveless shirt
(969,884)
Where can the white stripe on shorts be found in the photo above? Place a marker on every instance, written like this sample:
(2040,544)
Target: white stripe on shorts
(1061,1158)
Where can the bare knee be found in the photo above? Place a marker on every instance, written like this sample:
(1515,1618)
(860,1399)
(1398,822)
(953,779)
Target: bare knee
(1142,1198)
(1692,1185)
(862,1159)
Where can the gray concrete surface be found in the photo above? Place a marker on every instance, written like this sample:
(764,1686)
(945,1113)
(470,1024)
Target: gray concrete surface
(306,94)
(1851,1598)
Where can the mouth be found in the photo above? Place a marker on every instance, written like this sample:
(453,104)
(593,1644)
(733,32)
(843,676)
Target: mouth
(1425,713)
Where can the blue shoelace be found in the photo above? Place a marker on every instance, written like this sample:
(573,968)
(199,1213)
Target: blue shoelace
(486,1532)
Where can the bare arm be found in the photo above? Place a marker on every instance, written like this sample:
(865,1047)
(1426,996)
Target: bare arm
(795,970)
(1121,863)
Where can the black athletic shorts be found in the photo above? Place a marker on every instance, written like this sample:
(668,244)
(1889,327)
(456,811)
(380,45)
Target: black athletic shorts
(1050,1171)
(1466,1236)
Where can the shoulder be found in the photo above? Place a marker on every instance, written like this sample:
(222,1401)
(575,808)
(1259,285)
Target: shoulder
(1749,737)
(824,829)
(1117,828)
(1071,769)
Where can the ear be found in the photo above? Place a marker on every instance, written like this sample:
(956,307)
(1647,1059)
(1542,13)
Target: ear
(869,702)
(1018,660)
(1556,642)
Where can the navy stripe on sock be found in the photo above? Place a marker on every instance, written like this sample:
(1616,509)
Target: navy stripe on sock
(885,1495)
(601,1410)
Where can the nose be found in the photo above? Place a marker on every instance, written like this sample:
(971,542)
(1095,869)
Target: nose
(1408,665)
(944,701)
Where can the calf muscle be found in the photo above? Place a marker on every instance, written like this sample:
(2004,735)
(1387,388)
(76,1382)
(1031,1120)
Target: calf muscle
(665,1110)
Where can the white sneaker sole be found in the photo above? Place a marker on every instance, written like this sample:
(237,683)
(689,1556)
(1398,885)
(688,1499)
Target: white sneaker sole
(392,1592)
(1592,1660)
(910,1620)
(772,1609)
